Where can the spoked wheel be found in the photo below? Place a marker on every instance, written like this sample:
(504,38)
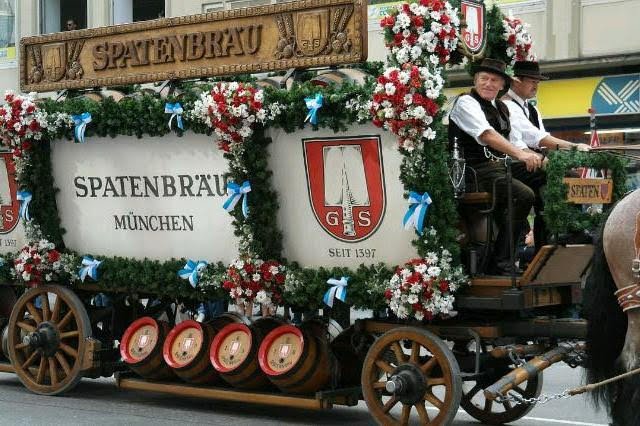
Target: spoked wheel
(410,376)
(494,412)
(47,335)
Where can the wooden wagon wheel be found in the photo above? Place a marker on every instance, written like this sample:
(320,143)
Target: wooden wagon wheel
(48,329)
(409,369)
(492,412)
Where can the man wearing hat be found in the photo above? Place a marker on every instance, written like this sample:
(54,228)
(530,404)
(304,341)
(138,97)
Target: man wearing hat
(481,124)
(527,127)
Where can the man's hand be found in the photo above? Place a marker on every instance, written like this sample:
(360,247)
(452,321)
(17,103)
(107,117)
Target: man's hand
(583,147)
(531,159)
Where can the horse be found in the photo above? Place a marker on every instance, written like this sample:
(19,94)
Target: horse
(611,303)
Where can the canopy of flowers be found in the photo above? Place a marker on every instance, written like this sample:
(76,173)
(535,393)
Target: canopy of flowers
(519,41)
(423,288)
(420,37)
(231,110)
(37,262)
(422,33)
(248,280)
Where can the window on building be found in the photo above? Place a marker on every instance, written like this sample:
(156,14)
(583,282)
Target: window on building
(144,10)
(62,15)
(7,31)
(126,11)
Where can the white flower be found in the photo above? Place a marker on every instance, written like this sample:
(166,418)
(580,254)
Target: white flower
(419,315)
(412,299)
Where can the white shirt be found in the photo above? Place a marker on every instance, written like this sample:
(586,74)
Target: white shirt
(521,128)
(468,115)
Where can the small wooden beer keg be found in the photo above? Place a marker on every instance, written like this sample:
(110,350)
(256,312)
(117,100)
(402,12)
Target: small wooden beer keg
(234,353)
(141,348)
(295,360)
(5,340)
(186,351)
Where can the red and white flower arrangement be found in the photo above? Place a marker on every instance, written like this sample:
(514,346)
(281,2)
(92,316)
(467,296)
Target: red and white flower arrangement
(231,110)
(519,40)
(423,288)
(405,103)
(21,122)
(254,280)
(37,262)
(422,33)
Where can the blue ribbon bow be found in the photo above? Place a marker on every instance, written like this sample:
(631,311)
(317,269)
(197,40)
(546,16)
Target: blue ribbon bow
(25,198)
(313,104)
(176,112)
(235,192)
(191,271)
(338,290)
(89,267)
(418,206)
(81,122)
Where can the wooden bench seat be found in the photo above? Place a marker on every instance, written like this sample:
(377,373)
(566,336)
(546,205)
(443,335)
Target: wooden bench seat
(476,198)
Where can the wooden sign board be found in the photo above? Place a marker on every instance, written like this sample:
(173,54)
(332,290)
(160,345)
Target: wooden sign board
(300,34)
(589,191)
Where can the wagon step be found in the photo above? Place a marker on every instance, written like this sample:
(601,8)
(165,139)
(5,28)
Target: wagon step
(319,401)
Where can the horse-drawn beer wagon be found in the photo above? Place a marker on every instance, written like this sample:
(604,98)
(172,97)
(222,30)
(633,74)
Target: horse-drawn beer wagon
(144,216)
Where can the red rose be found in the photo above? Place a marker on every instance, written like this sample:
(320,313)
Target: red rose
(444,19)
(280,278)
(388,294)
(54,256)
(444,286)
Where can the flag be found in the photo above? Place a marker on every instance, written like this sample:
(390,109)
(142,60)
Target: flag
(587,173)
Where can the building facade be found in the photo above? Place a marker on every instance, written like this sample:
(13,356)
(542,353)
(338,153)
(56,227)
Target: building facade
(588,47)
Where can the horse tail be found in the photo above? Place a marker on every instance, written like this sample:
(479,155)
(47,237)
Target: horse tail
(606,327)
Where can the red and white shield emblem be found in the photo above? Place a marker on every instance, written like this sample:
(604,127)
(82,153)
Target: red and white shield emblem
(10,206)
(346,185)
(473,34)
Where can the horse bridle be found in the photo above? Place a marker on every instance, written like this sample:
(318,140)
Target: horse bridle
(629,297)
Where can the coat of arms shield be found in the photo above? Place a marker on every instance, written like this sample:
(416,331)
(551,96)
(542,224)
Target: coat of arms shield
(312,32)
(345,181)
(54,61)
(473,34)
(9,205)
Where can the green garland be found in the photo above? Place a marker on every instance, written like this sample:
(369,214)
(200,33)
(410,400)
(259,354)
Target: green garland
(562,217)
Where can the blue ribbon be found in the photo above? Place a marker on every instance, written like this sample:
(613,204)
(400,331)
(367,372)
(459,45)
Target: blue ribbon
(89,267)
(338,290)
(418,206)
(81,122)
(191,271)
(235,192)
(25,198)
(313,104)
(176,112)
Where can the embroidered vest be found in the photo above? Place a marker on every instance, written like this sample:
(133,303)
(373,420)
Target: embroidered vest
(498,118)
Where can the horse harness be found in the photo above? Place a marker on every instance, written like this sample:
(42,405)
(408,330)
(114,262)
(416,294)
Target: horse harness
(629,296)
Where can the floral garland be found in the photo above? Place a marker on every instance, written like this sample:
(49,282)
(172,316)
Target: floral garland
(423,288)
(400,107)
(254,280)
(232,110)
(420,38)
(37,262)
(423,33)
(519,41)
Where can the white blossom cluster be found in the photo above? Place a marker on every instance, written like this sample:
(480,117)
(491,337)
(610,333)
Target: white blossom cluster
(424,288)
(439,27)
(519,40)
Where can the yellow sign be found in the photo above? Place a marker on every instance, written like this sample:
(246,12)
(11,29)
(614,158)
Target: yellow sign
(589,191)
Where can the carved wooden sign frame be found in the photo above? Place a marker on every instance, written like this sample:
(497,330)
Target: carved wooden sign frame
(300,34)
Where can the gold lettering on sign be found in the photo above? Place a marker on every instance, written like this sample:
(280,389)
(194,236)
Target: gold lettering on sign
(305,33)
(589,191)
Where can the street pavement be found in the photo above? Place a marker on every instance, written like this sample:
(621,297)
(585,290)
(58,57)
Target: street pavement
(99,402)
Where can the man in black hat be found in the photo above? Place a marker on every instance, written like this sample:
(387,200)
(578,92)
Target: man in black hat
(527,126)
(481,124)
